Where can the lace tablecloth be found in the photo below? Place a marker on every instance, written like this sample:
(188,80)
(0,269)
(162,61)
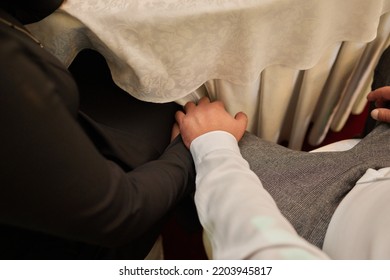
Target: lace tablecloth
(286,63)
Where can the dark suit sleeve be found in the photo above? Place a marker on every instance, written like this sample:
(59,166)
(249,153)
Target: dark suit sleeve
(53,180)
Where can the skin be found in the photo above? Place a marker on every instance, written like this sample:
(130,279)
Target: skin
(380,97)
(207,116)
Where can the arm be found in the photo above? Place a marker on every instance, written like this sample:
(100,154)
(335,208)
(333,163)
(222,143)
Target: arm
(380,96)
(53,179)
(240,218)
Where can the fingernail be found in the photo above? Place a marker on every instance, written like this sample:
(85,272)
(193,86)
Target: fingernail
(374,114)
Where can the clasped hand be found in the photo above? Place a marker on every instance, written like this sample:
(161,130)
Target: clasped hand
(206,116)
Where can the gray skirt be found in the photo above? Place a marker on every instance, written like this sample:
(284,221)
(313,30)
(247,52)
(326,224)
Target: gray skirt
(308,187)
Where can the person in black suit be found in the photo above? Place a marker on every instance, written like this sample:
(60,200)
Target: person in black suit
(86,171)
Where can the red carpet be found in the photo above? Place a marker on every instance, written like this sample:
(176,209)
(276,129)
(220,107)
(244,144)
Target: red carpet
(353,128)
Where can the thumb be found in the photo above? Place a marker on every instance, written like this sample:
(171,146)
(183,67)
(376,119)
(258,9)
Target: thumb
(381,114)
(242,118)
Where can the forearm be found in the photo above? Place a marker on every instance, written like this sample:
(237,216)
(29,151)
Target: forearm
(55,181)
(53,178)
(136,201)
(159,185)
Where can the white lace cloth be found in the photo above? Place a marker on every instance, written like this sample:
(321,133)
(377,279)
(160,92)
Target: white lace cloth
(248,53)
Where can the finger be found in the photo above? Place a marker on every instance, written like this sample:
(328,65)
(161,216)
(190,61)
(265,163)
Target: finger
(175,131)
(175,127)
(379,94)
(242,121)
(189,106)
(179,116)
(382,115)
(204,100)
(242,118)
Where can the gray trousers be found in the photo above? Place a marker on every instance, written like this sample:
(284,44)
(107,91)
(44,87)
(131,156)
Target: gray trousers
(308,187)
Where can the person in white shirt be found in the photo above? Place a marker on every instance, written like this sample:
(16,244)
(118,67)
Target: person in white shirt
(239,209)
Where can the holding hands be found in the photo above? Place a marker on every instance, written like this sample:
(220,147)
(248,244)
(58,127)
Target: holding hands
(207,116)
(380,96)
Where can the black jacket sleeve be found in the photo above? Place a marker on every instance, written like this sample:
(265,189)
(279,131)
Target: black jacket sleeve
(54,180)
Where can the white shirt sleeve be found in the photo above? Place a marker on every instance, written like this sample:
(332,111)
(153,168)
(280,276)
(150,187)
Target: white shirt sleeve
(238,215)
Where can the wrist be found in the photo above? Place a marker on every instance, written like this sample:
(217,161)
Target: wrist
(213,141)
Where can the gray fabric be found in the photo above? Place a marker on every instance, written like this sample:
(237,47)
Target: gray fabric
(308,187)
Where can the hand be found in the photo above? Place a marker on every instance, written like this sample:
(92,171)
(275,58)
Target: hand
(380,96)
(207,116)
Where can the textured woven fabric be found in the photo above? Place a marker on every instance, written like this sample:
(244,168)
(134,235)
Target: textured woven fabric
(308,187)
